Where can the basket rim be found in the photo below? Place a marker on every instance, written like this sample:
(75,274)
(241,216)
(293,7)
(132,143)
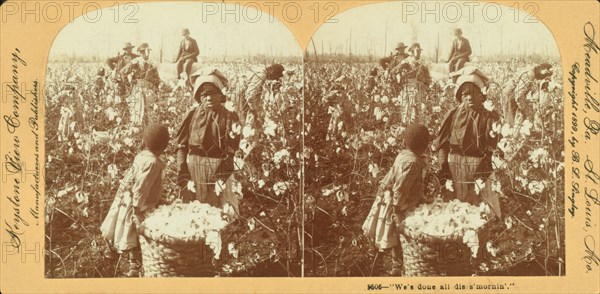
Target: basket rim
(144,230)
(434,238)
(489,217)
(166,239)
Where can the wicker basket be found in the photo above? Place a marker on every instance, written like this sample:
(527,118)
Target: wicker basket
(176,258)
(438,255)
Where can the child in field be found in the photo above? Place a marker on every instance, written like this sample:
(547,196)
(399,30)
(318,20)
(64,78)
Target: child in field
(138,194)
(66,117)
(400,191)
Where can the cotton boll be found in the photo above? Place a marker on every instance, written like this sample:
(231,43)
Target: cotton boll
(449,185)
(213,240)
(491,249)
(479,185)
(374,169)
(220,186)
(508,222)
(232,250)
(446,219)
(251,224)
(472,240)
(228,210)
(488,105)
(191,186)
(270,127)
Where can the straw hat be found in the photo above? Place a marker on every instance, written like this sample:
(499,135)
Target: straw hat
(143,47)
(400,45)
(127,45)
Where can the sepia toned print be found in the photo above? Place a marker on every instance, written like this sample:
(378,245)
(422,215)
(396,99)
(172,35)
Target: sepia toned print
(435,146)
(171,151)
(166,147)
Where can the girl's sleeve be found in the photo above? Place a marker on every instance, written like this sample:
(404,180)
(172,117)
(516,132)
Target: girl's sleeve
(406,175)
(145,178)
(388,181)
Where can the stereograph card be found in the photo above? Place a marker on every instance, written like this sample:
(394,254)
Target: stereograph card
(300,146)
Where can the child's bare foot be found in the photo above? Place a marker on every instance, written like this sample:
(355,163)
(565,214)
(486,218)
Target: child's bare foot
(396,272)
(133,273)
(109,254)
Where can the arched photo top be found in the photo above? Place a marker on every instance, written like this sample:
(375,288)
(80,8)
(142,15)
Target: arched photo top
(420,107)
(179,105)
(221,29)
(492,29)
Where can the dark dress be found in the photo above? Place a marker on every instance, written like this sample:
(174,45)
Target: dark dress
(206,146)
(465,148)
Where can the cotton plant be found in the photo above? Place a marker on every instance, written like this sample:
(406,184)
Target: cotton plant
(539,156)
(280,188)
(281,156)
(374,169)
(270,127)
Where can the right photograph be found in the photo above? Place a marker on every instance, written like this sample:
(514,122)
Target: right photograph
(434,143)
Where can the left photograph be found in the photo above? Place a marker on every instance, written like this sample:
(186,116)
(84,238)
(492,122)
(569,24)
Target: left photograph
(173,144)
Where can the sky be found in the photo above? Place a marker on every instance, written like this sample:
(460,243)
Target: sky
(160,25)
(370,29)
(513,32)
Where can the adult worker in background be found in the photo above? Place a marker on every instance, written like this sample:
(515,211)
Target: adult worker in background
(187,54)
(117,63)
(459,54)
(268,80)
(395,59)
(418,69)
(395,66)
(141,69)
(516,106)
(145,82)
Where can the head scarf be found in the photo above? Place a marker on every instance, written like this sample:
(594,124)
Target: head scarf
(208,75)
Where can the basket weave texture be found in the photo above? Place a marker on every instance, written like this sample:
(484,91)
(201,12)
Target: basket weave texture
(161,258)
(426,255)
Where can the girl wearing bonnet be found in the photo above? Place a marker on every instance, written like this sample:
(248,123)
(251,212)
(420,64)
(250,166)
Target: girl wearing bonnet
(206,144)
(464,141)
